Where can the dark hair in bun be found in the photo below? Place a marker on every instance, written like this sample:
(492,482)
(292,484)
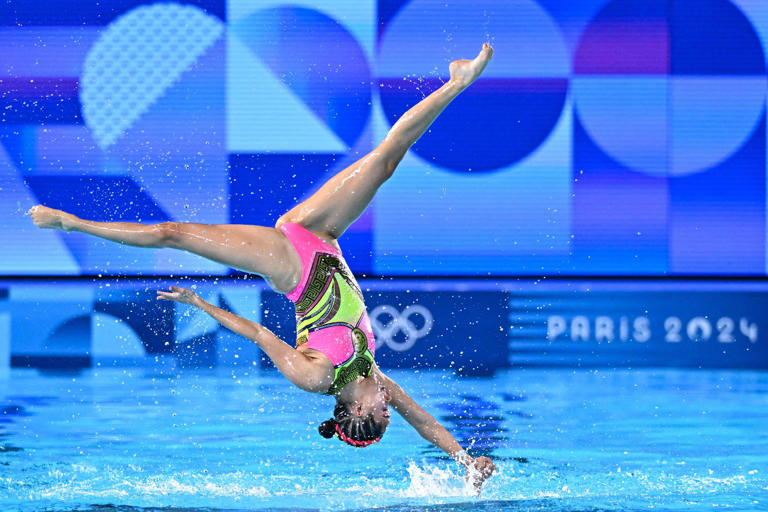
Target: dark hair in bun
(355,431)
(328,428)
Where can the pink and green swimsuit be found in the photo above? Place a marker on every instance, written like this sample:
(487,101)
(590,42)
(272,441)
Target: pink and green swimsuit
(330,312)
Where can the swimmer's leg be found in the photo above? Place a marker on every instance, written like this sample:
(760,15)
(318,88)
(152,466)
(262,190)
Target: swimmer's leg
(337,204)
(256,249)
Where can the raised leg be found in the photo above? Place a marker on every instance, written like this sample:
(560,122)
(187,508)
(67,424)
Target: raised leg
(256,249)
(337,204)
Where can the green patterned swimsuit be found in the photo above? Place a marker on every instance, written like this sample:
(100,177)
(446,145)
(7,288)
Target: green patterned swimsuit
(330,313)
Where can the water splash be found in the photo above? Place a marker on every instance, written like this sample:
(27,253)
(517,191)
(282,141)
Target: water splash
(432,481)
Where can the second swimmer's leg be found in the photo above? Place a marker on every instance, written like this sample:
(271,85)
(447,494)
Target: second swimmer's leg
(256,249)
(344,197)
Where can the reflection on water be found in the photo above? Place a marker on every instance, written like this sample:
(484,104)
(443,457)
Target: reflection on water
(121,508)
(474,422)
(494,505)
(474,505)
(563,440)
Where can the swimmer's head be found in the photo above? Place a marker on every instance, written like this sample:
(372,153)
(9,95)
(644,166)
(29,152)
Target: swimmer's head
(362,421)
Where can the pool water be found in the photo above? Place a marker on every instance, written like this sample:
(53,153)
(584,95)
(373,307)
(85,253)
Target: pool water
(131,439)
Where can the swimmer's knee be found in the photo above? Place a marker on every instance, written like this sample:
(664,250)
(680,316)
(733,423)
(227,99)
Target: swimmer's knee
(392,153)
(167,234)
(389,167)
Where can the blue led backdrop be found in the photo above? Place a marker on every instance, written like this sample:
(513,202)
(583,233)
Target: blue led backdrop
(616,137)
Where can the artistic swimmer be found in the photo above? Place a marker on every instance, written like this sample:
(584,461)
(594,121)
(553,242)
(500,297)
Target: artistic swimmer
(301,258)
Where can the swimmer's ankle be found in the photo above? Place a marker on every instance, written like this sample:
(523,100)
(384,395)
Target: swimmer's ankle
(464,72)
(68,221)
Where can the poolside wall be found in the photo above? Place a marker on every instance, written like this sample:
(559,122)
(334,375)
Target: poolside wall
(471,326)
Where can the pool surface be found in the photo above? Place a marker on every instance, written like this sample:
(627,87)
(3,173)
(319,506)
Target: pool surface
(139,439)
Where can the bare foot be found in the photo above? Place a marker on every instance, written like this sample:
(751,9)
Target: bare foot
(464,72)
(45,217)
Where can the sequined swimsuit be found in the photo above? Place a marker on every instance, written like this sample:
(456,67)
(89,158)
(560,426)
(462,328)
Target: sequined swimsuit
(330,312)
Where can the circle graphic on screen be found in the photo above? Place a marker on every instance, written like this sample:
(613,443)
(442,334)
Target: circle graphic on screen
(317,59)
(669,88)
(153,97)
(507,113)
(137,59)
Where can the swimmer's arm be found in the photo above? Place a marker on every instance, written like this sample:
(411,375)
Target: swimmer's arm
(431,430)
(294,365)
(427,426)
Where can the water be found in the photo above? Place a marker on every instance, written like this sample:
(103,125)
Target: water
(139,440)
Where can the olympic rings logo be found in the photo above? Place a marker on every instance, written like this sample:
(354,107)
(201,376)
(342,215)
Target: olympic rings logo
(400,322)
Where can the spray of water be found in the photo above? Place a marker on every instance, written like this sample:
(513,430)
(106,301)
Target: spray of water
(432,481)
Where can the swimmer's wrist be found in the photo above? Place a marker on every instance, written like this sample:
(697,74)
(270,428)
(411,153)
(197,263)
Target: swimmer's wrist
(463,458)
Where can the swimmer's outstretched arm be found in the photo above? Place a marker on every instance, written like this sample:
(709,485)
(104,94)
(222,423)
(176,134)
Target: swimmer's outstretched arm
(430,429)
(294,365)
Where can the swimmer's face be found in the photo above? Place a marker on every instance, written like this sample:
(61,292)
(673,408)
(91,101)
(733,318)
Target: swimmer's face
(374,399)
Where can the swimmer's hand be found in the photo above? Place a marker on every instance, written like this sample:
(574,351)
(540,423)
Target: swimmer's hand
(478,470)
(181,295)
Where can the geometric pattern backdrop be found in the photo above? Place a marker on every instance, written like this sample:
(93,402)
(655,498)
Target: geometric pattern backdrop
(417,324)
(607,137)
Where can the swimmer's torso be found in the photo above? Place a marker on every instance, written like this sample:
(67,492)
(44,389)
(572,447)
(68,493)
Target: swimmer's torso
(330,313)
